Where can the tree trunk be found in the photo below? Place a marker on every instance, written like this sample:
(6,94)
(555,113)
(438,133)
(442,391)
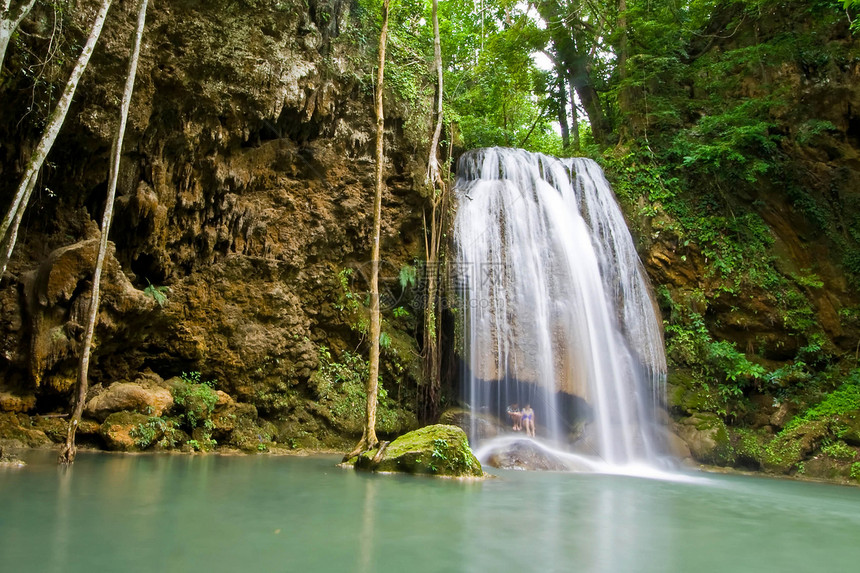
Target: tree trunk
(562,109)
(574,117)
(9,22)
(12,220)
(368,437)
(67,456)
(575,63)
(432,244)
(624,95)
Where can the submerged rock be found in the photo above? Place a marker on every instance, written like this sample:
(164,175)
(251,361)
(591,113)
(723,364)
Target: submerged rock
(525,455)
(439,450)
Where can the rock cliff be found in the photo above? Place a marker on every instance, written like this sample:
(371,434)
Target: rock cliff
(243,212)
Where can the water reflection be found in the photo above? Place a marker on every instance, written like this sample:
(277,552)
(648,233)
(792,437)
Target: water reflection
(368,523)
(181,513)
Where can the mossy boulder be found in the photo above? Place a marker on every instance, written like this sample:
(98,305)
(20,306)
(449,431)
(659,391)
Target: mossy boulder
(439,450)
(792,446)
(707,437)
(17,431)
(119,428)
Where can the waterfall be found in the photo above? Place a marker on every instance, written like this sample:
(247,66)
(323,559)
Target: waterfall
(556,306)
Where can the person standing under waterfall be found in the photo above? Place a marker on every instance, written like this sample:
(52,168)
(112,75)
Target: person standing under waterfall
(528,420)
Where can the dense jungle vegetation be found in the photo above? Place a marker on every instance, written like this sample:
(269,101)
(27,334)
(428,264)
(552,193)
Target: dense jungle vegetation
(714,120)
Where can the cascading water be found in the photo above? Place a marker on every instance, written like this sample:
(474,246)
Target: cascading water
(556,303)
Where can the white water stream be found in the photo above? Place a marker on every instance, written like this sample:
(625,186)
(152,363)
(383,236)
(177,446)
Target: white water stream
(556,304)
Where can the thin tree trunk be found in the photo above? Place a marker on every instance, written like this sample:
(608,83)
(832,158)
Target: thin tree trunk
(432,242)
(624,96)
(574,116)
(562,110)
(12,220)
(9,22)
(368,437)
(68,454)
(433,162)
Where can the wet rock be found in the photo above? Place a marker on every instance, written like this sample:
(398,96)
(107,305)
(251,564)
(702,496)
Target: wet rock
(707,437)
(118,429)
(143,397)
(484,426)
(439,450)
(676,446)
(525,455)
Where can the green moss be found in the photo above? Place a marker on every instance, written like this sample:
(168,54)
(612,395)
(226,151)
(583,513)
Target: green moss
(434,450)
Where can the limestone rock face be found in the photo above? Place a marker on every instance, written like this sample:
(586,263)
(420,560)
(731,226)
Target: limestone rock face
(433,450)
(10,402)
(143,398)
(242,202)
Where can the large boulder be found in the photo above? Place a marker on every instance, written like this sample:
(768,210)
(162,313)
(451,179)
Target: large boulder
(525,455)
(122,431)
(439,450)
(143,397)
(707,438)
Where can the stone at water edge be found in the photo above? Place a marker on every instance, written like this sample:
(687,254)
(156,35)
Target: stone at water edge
(525,455)
(438,450)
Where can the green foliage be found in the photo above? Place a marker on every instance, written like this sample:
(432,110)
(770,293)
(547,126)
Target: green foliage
(855,471)
(400,312)
(196,401)
(158,293)
(340,384)
(453,457)
(844,399)
(407,277)
(162,431)
(839,450)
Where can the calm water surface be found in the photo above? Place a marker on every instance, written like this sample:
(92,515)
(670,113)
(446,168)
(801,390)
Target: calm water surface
(259,513)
